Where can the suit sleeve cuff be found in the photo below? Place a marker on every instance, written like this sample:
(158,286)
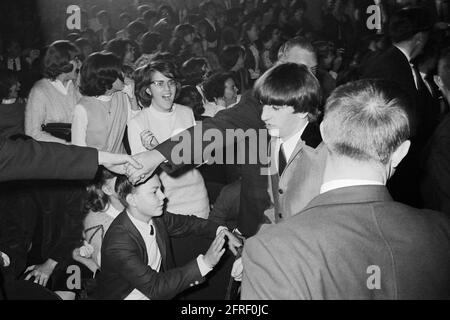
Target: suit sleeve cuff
(203,266)
(4,260)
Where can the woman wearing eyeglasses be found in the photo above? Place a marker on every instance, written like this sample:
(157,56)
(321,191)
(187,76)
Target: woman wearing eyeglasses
(161,118)
(101,115)
(53,98)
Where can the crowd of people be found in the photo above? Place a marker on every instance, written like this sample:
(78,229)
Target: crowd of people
(346,106)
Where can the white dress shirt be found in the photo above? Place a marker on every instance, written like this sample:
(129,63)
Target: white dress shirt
(288,145)
(343,183)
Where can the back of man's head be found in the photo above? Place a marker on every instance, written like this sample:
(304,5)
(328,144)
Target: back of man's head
(407,22)
(366,121)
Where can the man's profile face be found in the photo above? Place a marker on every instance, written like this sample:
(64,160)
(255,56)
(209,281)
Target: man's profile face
(281,121)
(301,56)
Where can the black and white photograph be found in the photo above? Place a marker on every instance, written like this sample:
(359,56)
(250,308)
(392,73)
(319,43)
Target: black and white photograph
(224,154)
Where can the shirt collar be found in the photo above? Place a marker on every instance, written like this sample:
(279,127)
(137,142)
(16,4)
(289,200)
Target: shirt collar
(64,89)
(343,183)
(143,228)
(104,98)
(290,144)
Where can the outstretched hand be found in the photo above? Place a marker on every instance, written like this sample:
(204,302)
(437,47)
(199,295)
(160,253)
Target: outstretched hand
(233,242)
(150,160)
(216,250)
(118,163)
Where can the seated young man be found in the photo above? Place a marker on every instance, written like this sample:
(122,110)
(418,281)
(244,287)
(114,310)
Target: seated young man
(136,255)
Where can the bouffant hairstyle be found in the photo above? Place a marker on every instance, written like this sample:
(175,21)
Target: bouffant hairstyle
(193,70)
(214,86)
(230,56)
(143,78)
(57,59)
(96,199)
(150,42)
(118,47)
(99,72)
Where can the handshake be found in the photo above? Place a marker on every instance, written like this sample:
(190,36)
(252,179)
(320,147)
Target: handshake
(137,168)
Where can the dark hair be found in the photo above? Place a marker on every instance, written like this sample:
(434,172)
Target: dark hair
(444,67)
(99,72)
(182,30)
(150,14)
(190,97)
(8,78)
(118,47)
(192,70)
(143,77)
(150,42)
(57,58)
(214,86)
(96,199)
(123,188)
(230,55)
(169,10)
(290,84)
(405,23)
(135,28)
(82,43)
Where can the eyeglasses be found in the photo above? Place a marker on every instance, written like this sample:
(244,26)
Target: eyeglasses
(160,84)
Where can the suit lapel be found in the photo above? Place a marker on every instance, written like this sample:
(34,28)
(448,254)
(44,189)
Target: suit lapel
(135,232)
(311,137)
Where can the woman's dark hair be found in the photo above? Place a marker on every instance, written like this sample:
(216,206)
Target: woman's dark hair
(8,78)
(190,97)
(135,28)
(214,86)
(150,42)
(192,70)
(96,199)
(99,72)
(183,30)
(169,10)
(82,43)
(290,84)
(118,47)
(57,58)
(143,78)
(230,56)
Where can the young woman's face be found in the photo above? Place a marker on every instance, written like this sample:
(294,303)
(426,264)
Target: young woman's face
(129,55)
(252,33)
(188,38)
(162,90)
(231,90)
(14,90)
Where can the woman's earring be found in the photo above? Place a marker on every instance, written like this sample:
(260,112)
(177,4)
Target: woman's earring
(147,91)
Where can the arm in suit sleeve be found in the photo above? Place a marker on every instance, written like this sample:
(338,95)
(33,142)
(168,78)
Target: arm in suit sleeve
(245,115)
(25,160)
(120,253)
(263,277)
(181,226)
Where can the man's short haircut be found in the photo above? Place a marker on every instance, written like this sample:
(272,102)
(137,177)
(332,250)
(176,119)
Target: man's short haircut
(118,47)
(230,55)
(444,68)
(123,188)
(299,42)
(98,73)
(290,84)
(57,58)
(366,120)
(405,23)
(150,42)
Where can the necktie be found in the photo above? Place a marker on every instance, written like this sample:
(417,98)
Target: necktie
(152,230)
(281,161)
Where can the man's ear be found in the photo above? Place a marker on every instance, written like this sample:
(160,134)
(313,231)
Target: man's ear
(131,200)
(400,153)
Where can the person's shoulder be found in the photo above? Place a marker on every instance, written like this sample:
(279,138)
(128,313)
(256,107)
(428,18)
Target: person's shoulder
(139,118)
(183,109)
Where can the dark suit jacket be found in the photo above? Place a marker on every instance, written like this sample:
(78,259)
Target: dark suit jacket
(435,184)
(245,115)
(125,261)
(31,160)
(343,242)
